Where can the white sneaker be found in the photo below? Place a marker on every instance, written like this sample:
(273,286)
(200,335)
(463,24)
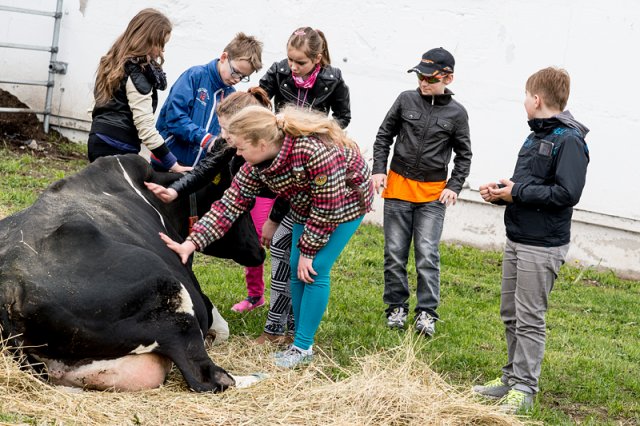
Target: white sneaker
(397,318)
(293,357)
(426,324)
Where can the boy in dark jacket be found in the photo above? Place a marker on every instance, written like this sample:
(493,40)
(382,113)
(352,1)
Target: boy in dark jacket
(428,125)
(547,182)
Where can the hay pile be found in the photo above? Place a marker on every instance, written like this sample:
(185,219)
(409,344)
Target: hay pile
(390,388)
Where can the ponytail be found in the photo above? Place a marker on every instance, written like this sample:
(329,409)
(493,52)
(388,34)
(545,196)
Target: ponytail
(255,123)
(237,101)
(326,59)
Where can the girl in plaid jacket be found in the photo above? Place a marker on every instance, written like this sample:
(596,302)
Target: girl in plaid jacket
(306,158)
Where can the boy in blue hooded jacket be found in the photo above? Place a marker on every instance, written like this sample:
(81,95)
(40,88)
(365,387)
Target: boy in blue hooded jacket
(188,121)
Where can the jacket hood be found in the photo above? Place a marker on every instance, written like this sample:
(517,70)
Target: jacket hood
(566,118)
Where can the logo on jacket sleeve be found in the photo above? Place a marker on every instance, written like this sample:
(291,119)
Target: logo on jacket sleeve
(202,96)
(320,180)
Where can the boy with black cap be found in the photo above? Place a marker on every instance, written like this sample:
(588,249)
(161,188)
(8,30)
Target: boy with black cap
(428,125)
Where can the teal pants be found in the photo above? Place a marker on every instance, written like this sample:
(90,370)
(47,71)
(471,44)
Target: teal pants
(309,301)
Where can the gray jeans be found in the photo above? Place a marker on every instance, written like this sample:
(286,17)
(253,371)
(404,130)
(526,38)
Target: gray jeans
(528,274)
(422,222)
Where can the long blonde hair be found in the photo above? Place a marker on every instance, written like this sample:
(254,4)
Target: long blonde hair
(147,30)
(255,122)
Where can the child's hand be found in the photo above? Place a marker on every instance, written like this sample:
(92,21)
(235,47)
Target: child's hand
(503,193)
(485,192)
(268,229)
(448,197)
(305,269)
(177,168)
(183,250)
(379,180)
(166,195)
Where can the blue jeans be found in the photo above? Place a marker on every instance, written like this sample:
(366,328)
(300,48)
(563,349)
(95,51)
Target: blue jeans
(309,301)
(422,222)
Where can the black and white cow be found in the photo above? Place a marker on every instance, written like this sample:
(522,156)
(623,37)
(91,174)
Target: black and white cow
(88,288)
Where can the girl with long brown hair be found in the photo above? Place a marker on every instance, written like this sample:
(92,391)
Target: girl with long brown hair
(127,81)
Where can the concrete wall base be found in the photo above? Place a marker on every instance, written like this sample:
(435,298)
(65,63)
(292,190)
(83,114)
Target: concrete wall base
(598,241)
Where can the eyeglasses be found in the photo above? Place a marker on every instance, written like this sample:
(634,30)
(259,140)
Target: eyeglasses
(431,79)
(236,74)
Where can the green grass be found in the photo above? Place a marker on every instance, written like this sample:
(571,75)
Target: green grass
(591,369)
(24,176)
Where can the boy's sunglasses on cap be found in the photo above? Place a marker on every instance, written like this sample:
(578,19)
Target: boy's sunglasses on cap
(431,79)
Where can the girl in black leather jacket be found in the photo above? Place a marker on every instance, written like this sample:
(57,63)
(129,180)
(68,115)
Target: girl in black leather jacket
(305,79)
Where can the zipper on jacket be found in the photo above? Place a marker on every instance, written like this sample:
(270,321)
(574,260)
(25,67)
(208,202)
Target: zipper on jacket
(213,111)
(424,134)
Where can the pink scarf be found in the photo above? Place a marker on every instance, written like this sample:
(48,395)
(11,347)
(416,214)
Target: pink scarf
(301,83)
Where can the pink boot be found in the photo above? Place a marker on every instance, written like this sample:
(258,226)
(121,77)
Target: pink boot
(248,304)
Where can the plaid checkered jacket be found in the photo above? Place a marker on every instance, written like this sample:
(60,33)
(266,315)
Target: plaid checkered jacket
(325,184)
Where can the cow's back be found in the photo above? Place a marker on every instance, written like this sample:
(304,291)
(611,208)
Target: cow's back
(85,276)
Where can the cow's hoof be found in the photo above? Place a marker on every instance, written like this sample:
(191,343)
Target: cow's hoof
(223,380)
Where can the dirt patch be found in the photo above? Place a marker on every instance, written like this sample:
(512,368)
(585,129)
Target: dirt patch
(22,132)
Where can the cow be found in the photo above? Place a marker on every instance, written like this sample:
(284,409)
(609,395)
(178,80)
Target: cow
(89,289)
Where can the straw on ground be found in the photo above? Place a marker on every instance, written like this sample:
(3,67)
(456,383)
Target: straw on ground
(392,388)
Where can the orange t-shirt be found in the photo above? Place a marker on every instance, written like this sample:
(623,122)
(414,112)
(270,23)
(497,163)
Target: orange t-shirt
(401,188)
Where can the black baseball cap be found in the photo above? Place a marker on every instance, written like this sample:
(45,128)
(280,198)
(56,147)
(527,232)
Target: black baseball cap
(434,61)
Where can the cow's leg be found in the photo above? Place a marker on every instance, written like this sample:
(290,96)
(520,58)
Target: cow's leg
(182,340)
(128,373)
(200,373)
(219,330)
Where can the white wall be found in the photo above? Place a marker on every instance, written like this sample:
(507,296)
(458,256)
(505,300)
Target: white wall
(497,45)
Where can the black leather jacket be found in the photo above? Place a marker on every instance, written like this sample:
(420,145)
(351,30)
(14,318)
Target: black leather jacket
(218,168)
(328,93)
(427,129)
(549,177)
